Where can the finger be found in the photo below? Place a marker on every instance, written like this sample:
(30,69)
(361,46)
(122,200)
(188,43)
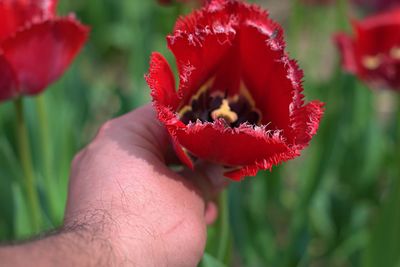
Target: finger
(204,187)
(77,159)
(208,177)
(214,174)
(211,213)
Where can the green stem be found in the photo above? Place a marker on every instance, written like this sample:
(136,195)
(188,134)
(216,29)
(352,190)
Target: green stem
(295,24)
(396,157)
(44,132)
(397,121)
(223,227)
(45,142)
(386,229)
(342,15)
(27,166)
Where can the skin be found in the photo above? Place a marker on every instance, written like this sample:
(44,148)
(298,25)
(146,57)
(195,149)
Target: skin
(125,206)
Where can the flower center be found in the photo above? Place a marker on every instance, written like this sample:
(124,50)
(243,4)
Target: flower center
(210,107)
(224,112)
(374,62)
(395,53)
(371,62)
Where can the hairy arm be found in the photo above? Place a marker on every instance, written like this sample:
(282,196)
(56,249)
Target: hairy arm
(75,245)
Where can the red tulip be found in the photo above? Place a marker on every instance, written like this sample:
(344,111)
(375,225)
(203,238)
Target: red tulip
(36,46)
(373,54)
(240,101)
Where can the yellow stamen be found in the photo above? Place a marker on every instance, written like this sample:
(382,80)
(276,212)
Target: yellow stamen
(395,53)
(245,92)
(225,112)
(371,62)
(184,110)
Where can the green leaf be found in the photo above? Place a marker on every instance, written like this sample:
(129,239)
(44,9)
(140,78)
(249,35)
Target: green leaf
(23,227)
(384,244)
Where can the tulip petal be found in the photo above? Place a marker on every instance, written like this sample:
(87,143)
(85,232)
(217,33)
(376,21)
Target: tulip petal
(305,123)
(162,82)
(16,14)
(40,54)
(378,39)
(346,47)
(199,42)
(173,124)
(382,19)
(240,146)
(250,170)
(269,76)
(165,99)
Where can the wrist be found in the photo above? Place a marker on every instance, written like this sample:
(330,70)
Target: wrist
(119,239)
(93,236)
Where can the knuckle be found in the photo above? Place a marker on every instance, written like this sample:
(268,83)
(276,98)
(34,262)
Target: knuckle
(104,129)
(77,159)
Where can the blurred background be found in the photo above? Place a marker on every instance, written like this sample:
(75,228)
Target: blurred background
(336,205)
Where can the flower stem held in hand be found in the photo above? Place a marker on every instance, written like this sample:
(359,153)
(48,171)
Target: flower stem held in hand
(223,227)
(27,166)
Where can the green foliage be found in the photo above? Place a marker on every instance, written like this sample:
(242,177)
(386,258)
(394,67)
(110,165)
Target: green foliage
(210,261)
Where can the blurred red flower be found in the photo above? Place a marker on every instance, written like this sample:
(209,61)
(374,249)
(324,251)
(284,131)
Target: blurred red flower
(377,5)
(373,54)
(36,46)
(317,2)
(371,5)
(169,2)
(240,101)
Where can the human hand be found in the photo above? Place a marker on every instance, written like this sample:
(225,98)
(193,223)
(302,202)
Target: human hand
(123,191)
